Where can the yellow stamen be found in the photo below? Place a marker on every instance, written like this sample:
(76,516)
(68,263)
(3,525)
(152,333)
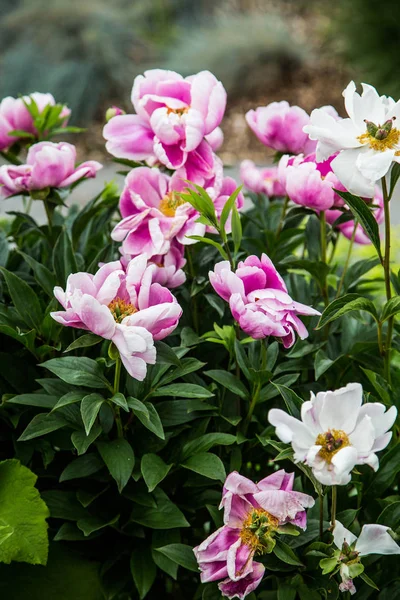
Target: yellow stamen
(177,111)
(256,528)
(121,309)
(332,441)
(170,203)
(388,143)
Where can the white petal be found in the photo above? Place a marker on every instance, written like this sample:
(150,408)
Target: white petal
(374,165)
(382,441)
(341,534)
(381,419)
(340,408)
(332,135)
(348,95)
(344,461)
(345,169)
(374,539)
(287,427)
(363,436)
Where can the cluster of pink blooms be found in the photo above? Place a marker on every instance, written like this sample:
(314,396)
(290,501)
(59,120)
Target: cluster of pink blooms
(259,300)
(254,514)
(301,176)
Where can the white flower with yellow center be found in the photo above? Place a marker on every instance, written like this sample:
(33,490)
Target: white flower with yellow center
(368,141)
(336,433)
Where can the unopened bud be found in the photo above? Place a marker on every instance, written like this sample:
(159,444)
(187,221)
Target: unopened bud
(114,111)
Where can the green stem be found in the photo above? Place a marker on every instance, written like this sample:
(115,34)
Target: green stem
(386,268)
(380,342)
(346,264)
(283,215)
(225,242)
(193,299)
(49,208)
(117,377)
(28,205)
(333,506)
(252,406)
(322,220)
(321,516)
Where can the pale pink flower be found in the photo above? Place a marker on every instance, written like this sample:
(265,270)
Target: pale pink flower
(169,267)
(124,306)
(259,301)
(261,180)
(47,165)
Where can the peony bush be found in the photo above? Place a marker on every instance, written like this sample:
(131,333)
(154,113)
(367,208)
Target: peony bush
(199,394)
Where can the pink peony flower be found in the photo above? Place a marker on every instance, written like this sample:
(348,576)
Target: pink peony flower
(121,305)
(169,266)
(215,139)
(173,114)
(259,301)
(47,165)
(253,515)
(280,126)
(261,181)
(15,115)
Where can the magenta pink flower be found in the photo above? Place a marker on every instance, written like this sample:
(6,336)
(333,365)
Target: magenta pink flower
(259,301)
(173,114)
(215,139)
(169,267)
(280,126)
(220,196)
(261,180)
(305,185)
(347,228)
(124,306)
(47,165)
(15,115)
(253,515)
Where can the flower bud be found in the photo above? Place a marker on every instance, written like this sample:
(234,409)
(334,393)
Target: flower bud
(114,111)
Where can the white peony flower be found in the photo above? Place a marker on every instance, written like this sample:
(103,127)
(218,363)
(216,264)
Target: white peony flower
(373,539)
(368,141)
(336,433)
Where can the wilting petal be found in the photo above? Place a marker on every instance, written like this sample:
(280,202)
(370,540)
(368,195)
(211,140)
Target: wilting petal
(341,535)
(241,588)
(375,539)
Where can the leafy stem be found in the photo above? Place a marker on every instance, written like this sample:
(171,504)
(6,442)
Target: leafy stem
(117,377)
(386,268)
(333,506)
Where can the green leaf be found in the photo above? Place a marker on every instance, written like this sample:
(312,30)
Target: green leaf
(286,591)
(138,407)
(154,470)
(391,308)
(143,570)
(63,505)
(321,364)
(292,400)
(89,339)
(43,276)
(390,516)
(81,441)
(41,424)
(120,460)
(120,400)
(23,513)
(388,469)
(152,422)
(90,407)
(90,525)
(369,581)
(364,215)
(69,398)
(206,464)
(84,466)
(165,355)
(228,207)
(236,229)
(286,554)
(216,302)
(165,515)
(64,262)
(183,390)
(328,565)
(210,242)
(228,380)
(188,365)
(394,176)
(344,305)
(358,269)
(24,299)
(39,400)
(77,371)
(206,442)
(181,554)
(346,517)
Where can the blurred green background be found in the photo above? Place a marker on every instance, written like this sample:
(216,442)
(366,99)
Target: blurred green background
(88,52)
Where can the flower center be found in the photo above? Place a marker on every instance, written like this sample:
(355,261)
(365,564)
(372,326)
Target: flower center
(170,203)
(347,555)
(258,529)
(177,111)
(380,137)
(332,441)
(121,309)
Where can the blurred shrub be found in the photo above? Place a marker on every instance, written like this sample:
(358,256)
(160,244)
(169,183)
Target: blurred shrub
(369,34)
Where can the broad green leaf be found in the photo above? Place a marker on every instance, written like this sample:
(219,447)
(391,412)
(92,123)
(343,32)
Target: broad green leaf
(211,242)
(64,261)
(77,371)
(90,407)
(391,308)
(84,466)
(328,565)
(346,517)
(120,460)
(206,464)
(228,207)
(69,398)
(151,422)
(369,581)
(24,299)
(390,516)
(42,424)
(81,441)
(39,400)
(292,400)
(216,302)
(321,364)
(388,469)
(286,554)
(344,305)
(90,525)
(206,442)
(24,514)
(143,569)
(43,276)
(165,515)
(64,505)
(166,355)
(364,215)
(228,380)
(162,538)
(394,176)
(181,554)
(188,365)
(138,407)
(357,270)
(183,390)
(84,341)
(120,400)
(154,470)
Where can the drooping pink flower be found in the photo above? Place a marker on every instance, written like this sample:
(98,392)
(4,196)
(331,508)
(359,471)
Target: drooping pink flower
(261,180)
(259,301)
(124,306)
(173,115)
(47,165)
(280,126)
(253,515)
(14,115)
